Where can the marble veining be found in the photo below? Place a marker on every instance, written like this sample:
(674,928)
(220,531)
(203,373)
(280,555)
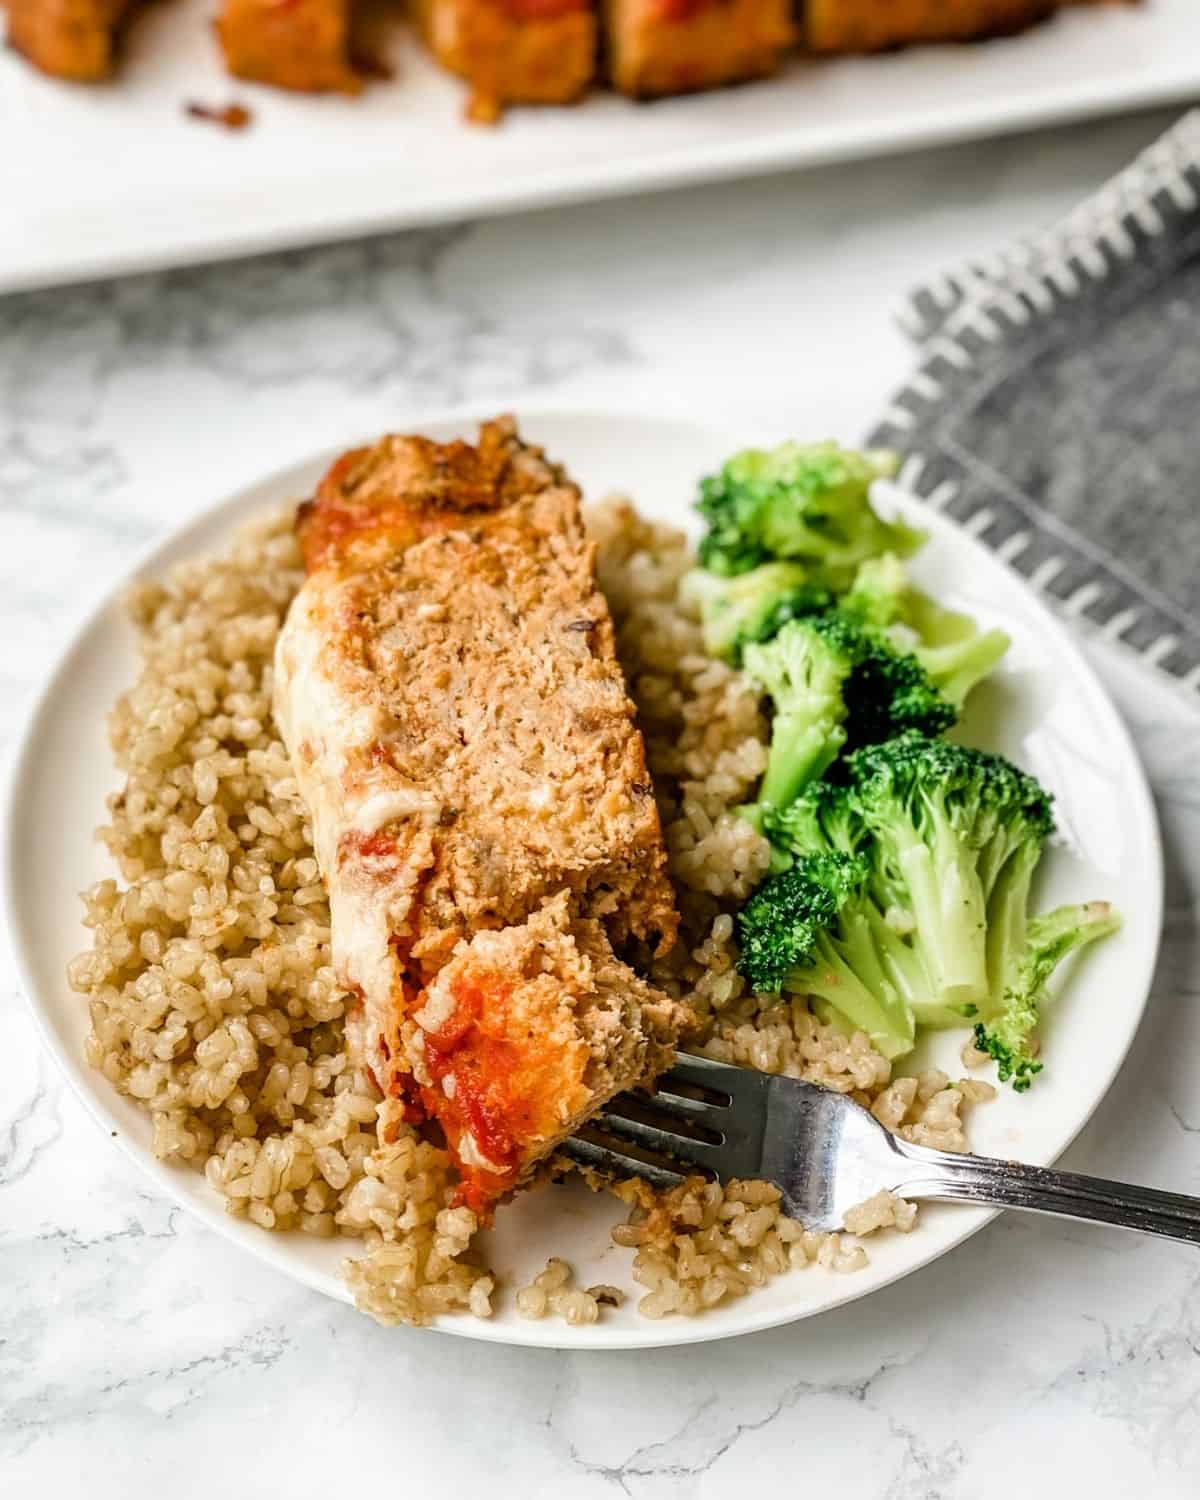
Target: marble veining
(141,1355)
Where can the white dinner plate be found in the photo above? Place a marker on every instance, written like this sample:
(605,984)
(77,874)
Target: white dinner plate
(1044,708)
(105,179)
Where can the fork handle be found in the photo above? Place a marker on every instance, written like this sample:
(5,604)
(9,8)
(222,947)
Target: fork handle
(1069,1195)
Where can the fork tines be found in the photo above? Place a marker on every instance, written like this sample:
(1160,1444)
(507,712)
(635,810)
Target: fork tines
(662,1136)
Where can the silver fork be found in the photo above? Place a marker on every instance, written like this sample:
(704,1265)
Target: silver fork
(827,1154)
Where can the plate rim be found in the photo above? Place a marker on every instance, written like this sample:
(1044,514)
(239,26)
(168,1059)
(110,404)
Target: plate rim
(89,1086)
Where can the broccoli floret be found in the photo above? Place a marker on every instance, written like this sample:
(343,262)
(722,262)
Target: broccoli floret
(808,504)
(825,821)
(813,930)
(821,820)
(951,648)
(803,668)
(888,692)
(956,834)
(956,667)
(1008,1035)
(936,846)
(752,606)
(878,595)
(836,685)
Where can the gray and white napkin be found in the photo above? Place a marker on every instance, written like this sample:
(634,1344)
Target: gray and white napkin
(1056,409)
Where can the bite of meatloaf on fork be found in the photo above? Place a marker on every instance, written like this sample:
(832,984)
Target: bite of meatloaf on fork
(448,689)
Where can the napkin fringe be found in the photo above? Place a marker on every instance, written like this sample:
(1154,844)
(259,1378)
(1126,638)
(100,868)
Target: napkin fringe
(1158,189)
(1113,614)
(960,315)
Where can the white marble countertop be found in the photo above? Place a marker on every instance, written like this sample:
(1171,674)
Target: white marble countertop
(141,1355)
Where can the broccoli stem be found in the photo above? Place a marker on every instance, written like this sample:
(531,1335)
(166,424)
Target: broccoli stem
(955,668)
(1009,1037)
(906,969)
(1008,924)
(948,907)
(849,977)
(801,751)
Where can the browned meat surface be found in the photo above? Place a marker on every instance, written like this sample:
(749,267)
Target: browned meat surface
(870,25)
(513,51)
(303,45)
(72,39)
(675,46)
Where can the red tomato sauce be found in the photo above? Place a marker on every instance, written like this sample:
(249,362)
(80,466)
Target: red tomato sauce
(487,1099)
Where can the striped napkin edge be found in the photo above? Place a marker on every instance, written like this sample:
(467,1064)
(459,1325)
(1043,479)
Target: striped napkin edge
(956,315)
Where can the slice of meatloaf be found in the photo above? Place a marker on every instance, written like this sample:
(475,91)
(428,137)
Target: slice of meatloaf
(448,689)
(471,659)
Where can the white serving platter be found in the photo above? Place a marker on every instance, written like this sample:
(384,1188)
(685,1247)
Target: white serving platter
(1044,708)
(102,180)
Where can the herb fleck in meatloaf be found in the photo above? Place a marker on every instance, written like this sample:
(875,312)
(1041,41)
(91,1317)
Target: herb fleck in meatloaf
(448,689)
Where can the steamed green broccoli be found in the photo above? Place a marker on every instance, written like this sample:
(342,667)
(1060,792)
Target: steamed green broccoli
(807,504)
(825,820)
(1008,1032)
(821,820)
(752,606)
(889,692)
(804,669)
(879,592)
(959,832)
(814,930)
(954,652)
(909,881)
(835,684)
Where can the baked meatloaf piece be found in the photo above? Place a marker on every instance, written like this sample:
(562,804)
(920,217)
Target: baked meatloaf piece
(448,689)
(303,45)
(676,46)
(512,51)
(73,39)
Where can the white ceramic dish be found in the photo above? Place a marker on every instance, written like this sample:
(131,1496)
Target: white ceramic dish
(99,181)
(1045,709)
